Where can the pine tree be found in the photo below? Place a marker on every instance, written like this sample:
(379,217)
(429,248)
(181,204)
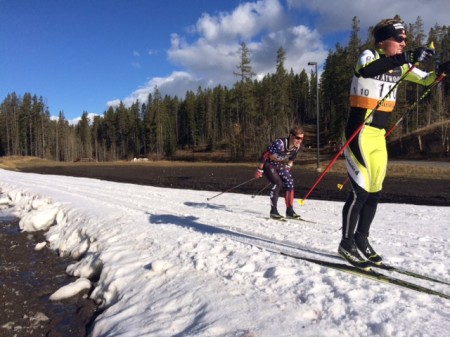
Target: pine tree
(84,136)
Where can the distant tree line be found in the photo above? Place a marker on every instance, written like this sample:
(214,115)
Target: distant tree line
(241,119)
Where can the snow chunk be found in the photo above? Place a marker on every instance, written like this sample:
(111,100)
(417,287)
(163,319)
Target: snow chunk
(40,219)
(89,267)
(39,317)
(15,196)
(40,203)
(75,245)
(40,246)
(4,201)
(160,266)
(71,289)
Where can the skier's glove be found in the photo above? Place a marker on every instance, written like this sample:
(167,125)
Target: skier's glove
(289,166)
(421,54)
(259,173)
(444,68)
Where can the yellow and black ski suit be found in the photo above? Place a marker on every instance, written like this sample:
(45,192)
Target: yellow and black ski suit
(366,156)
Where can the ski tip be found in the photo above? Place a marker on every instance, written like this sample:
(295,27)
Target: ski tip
(301,202)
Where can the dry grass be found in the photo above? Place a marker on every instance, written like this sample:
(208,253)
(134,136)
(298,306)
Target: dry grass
(415,170)
(18,162)
(424,170)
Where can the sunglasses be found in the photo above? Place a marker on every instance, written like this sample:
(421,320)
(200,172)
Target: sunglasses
(400,39)
(298,137)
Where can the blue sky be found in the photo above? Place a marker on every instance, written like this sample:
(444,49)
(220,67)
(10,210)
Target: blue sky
(85,55)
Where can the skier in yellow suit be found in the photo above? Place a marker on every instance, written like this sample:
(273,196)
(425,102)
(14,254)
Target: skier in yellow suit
(376,72)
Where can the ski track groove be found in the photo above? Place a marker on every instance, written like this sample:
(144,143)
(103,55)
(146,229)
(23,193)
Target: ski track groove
(290,247)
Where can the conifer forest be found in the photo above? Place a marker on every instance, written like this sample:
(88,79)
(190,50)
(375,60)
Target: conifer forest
(239,120)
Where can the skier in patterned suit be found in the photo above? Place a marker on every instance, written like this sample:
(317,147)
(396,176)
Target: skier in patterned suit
(276,163)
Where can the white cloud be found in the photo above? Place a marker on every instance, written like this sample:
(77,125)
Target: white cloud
(337,15)
(246,21)
(174,85)
(215,53)
(300,44)
(208,56)
(212,56)
(75,121)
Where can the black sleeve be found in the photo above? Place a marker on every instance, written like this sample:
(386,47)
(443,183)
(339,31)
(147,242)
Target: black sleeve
(382,65)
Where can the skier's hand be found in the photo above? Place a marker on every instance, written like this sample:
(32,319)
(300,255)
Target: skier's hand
(259,173)
(419,55)
(289,166)
(444,68)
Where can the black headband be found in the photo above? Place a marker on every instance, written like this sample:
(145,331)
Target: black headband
(386,32)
